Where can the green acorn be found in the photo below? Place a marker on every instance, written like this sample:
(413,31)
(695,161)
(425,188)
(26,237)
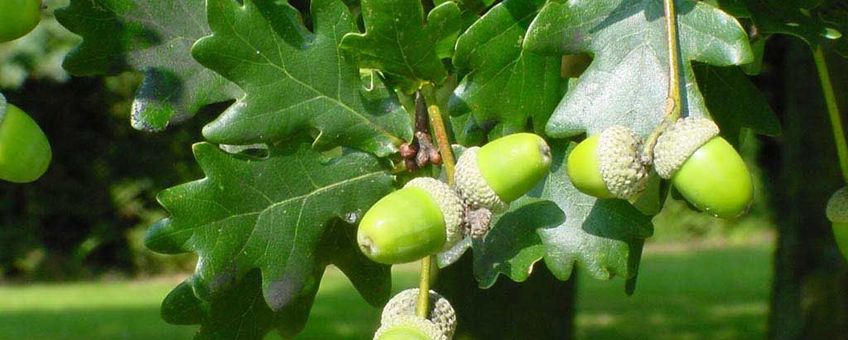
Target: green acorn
(501,171)
(419,220)
(399,320)
(704,167)
(608,165)
(837,213)
(18,17)
(24,151)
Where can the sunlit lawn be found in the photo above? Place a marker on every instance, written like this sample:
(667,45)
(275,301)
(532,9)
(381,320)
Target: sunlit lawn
(682,294)
(703,294)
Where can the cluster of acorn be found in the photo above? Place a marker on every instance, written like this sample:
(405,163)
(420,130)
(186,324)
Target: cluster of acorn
(701,165)
(24,151)
(427,216)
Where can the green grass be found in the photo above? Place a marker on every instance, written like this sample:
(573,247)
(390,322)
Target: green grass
(682,294)
(701,294)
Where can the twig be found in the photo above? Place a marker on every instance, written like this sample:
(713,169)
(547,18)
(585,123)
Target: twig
(439,130)
(428,97)
(674,101)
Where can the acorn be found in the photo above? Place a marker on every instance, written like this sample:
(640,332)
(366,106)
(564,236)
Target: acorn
(18,17)
(704,167)
(501,171)
(837,213)
(608,165)
(24,151)
(399,318)
(409,328)
(421,219)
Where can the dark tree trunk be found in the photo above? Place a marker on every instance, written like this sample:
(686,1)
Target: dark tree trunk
(540,308)
(810,288)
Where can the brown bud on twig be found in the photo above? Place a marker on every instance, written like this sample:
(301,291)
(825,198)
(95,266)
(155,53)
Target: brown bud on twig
(407,151)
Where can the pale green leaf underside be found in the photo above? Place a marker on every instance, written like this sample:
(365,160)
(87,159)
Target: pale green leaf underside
(566,228)
(513,245)
(626,83)
(604,237)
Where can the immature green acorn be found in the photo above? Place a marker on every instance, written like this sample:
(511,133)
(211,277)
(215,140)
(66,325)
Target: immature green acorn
(18,17)
(608,165)
(399,319)
(501,171)
(419,220)
(837,213)
(704,167)
(24,151)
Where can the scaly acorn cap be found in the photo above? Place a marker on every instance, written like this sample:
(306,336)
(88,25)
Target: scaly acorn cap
(401,327)
(449,203)
(679,142)
(837,207)
(402,306)
(471,185)
(620,162)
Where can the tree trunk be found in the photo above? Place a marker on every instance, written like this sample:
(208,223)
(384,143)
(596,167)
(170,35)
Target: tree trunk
(810,288)
(540,308)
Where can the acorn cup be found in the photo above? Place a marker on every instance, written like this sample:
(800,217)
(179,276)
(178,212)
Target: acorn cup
(421,219)
(704,168)
(501,171)
(399,320)
(837,213)
(608,165)
(24,151)
(427,216)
